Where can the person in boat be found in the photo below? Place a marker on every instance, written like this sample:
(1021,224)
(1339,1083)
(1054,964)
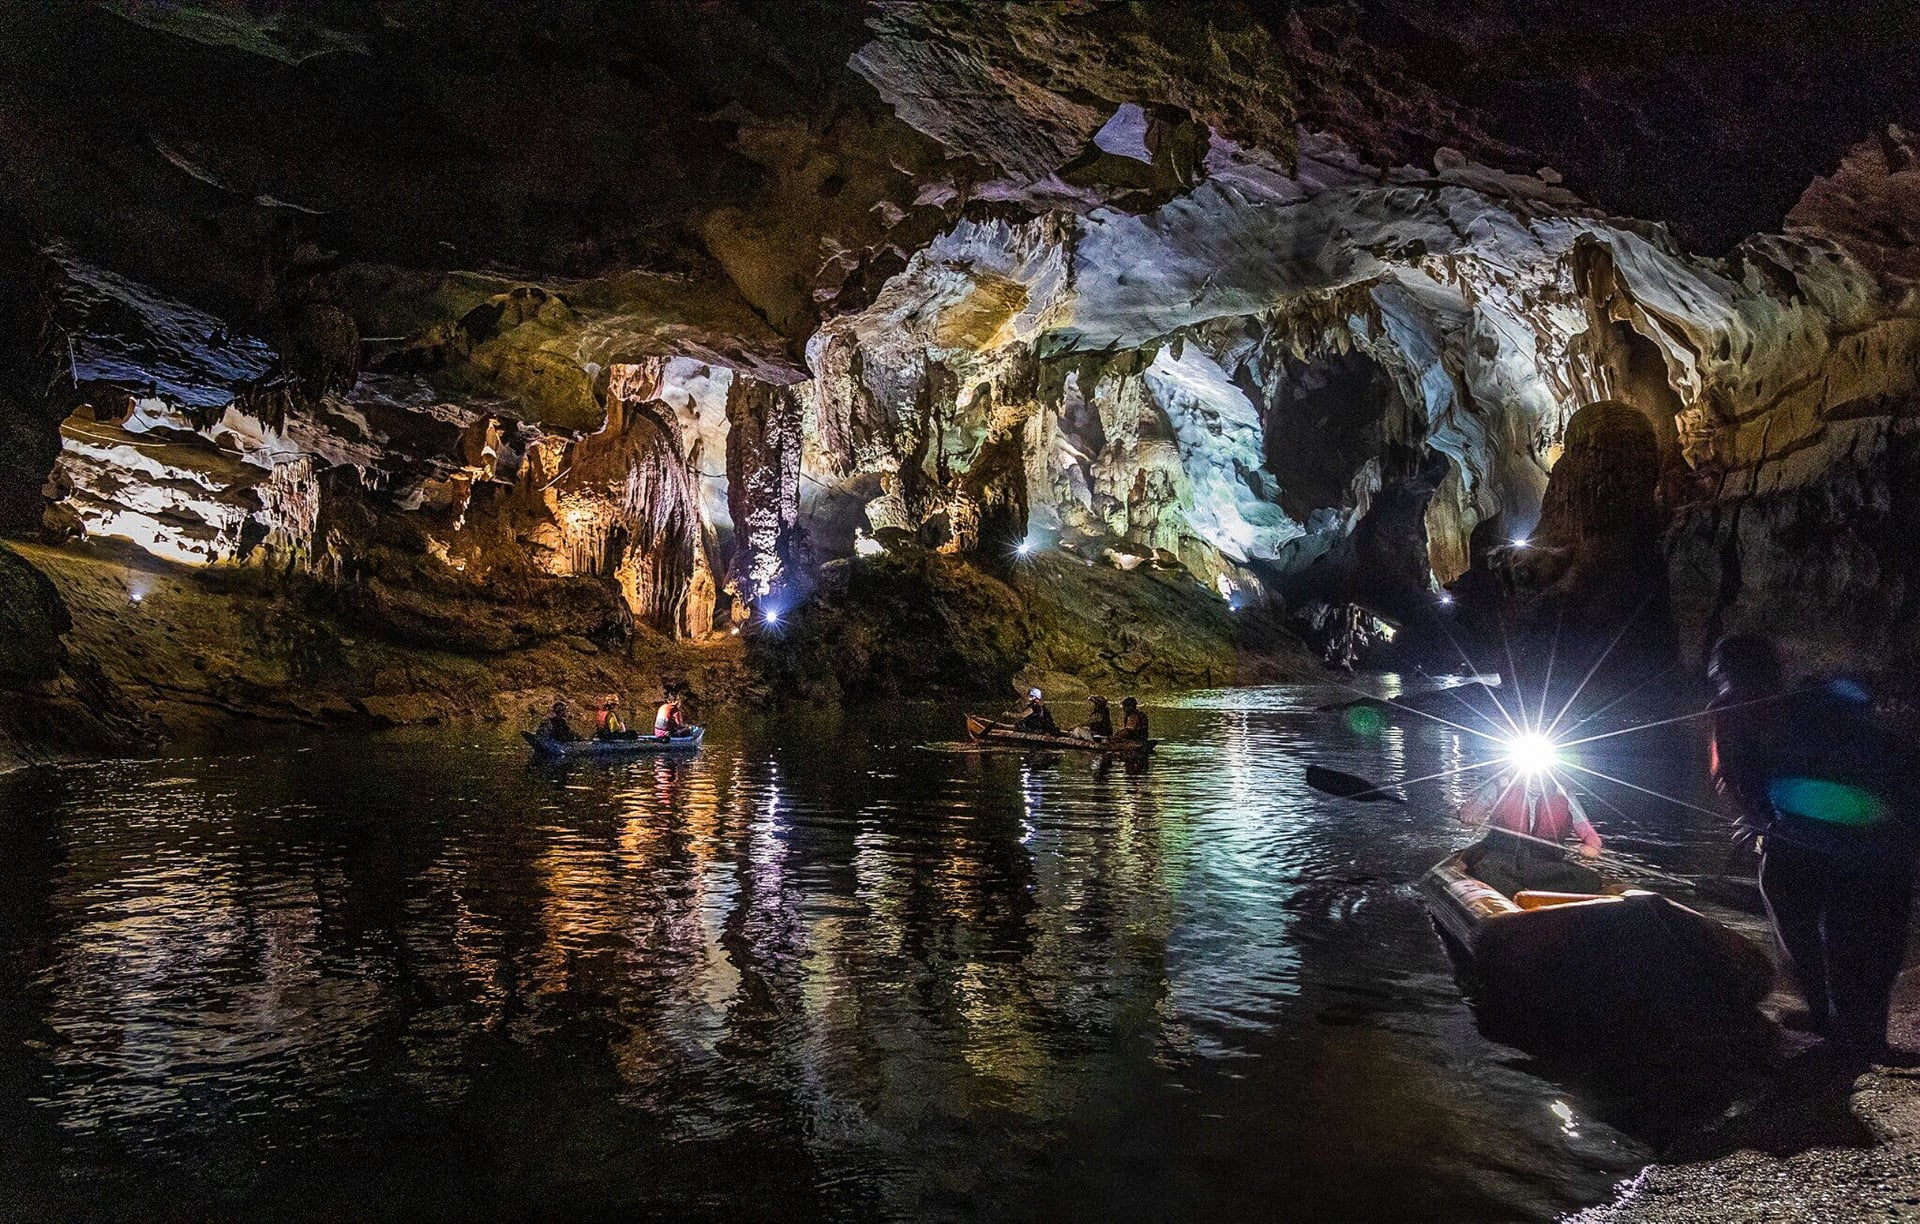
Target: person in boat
(1827,794)
(1133,723)
(607,724)
(556,727)
(1037,718)
(668,721)
(1099,724)
(1529,817)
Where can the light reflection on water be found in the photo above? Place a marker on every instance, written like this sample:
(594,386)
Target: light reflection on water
(826,967)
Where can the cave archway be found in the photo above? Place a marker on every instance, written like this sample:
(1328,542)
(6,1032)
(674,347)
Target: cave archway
(1325,418)
(1341,436)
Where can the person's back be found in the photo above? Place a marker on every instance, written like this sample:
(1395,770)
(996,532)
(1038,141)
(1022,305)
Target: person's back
(1100,724)
(1828,794)
(556,727)
(1816,769)
(1133,723)
(666,720)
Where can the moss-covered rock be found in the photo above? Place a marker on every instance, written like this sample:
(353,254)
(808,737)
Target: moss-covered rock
(914,625)
(923,624)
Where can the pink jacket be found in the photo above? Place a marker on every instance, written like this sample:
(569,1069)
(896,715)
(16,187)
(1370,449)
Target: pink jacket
(1556,816)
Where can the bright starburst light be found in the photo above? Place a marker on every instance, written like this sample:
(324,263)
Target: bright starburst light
(1532,753)
(1532,740)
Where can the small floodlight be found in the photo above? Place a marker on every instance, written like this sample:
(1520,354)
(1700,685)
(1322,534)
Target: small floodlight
(1532,753)
(1520,541)
(1445,598)
(772,615)
(1023,549)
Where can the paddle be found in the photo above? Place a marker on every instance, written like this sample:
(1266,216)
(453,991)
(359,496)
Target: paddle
(1350,786)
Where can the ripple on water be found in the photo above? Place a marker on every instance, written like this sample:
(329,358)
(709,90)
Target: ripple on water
(825,964)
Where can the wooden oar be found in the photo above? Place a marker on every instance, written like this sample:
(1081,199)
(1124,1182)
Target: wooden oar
(1350,786)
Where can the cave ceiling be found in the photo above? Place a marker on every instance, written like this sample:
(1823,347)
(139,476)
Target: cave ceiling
(753,155)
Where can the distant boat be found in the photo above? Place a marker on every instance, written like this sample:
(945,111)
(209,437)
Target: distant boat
(639,746)
(988,731)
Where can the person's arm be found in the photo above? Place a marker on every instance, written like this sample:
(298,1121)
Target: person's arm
(1583,828)
(1479,805)
(1731,759)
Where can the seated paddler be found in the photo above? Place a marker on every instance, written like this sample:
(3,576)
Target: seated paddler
(668,722)
(555,727)
(606,721)
(1530,817)
(1037,717)
(1099,724)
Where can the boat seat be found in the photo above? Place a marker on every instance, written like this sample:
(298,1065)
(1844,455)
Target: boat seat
(1533,898)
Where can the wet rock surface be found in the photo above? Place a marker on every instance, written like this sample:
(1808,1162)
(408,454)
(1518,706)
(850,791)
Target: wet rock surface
(185,652)
(53,705)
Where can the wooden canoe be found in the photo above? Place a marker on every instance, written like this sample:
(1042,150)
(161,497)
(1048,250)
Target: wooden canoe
(1612,964)
(987,731)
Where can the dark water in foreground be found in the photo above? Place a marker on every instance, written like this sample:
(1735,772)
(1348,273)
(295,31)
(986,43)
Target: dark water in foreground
(830,968)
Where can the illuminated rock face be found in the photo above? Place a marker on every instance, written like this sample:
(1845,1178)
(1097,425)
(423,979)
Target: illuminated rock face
(1323,394)
(1206,293)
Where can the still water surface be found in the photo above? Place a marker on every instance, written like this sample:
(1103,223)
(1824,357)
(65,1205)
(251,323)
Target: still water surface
(832,967)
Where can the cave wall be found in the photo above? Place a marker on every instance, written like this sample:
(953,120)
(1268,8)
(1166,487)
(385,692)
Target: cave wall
(1225,297)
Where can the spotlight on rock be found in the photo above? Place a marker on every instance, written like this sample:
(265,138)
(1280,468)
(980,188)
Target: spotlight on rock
(771,615)
(1023,549)
(1445,599)
(1520,541)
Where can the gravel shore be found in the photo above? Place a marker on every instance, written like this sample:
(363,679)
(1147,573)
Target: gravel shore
(1830,1140)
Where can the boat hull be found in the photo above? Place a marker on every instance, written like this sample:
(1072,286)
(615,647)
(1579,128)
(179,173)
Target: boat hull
(984,731)
(597,748)
(1611,966)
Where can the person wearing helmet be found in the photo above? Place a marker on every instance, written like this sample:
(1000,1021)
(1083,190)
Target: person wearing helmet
(1099,724)
(1133,723)
(1827,795)
(556,727)
(606,721)
(1534,804)
(1037,717)
(1529,816)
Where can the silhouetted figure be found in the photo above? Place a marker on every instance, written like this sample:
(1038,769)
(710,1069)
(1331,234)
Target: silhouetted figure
(1133,723)
(1529,815)
(555,727)
(1099,724)
(1828,795)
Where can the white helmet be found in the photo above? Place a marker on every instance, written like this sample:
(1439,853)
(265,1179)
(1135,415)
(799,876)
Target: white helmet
(1033,694)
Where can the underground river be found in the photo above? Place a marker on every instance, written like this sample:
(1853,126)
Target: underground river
(833,966)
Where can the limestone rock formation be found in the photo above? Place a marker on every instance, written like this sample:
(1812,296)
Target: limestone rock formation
(1221,316)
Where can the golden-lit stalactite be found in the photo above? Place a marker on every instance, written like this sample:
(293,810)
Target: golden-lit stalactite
(624,507)
(763,487)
